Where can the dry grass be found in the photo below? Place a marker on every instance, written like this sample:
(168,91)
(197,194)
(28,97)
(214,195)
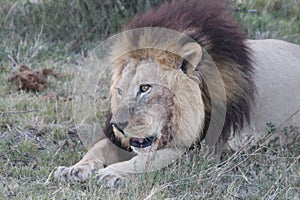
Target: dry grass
(37,134)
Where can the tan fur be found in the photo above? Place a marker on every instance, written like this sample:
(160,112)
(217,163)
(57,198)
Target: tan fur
(105,153)
(185,110)
(195,78)
(164,49)
(277,77)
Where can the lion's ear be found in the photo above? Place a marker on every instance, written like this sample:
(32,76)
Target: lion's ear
(192,52)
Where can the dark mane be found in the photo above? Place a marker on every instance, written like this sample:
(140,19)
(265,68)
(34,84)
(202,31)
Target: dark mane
(211,24)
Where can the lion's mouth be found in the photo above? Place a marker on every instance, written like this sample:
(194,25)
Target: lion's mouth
(142,142)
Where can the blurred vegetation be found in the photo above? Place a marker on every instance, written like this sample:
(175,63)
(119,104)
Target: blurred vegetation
(73,22)
(263,19)
(79,23)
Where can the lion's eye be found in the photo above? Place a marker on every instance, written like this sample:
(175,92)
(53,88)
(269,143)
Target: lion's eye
(119,91)
(145,88)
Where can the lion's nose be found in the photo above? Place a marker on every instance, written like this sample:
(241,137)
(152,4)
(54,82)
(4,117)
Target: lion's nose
(120,125)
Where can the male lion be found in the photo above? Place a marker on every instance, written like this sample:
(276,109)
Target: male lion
(203,81)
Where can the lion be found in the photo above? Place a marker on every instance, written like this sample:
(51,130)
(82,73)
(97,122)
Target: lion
(203,81)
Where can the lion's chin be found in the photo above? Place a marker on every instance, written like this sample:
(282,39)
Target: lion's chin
(142,142)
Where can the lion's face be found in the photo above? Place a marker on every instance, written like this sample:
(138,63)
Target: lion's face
(145,106)
(151,105)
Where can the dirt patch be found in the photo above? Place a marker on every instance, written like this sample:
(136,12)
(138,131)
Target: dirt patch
(31,80)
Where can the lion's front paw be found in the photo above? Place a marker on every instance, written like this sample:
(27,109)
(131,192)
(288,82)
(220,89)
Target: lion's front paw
(73,173)
(61,173)
(78,172)
(110,176)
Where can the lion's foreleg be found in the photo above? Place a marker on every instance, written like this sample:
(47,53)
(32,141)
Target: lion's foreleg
(139,164)
(101,154)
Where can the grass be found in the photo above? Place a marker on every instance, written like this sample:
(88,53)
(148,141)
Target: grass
(32,144)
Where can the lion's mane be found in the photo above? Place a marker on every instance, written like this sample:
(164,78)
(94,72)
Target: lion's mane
(211,24)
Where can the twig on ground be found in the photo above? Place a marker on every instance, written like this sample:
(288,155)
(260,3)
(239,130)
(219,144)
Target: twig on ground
(17,112)
(48,179)
(290,117)
(60,147)
(269,192)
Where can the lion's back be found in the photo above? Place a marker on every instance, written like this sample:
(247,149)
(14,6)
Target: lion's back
(277,78)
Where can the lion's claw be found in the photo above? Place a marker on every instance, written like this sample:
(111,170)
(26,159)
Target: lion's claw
(61,173)
(111,178)
(75,173)
(112,182)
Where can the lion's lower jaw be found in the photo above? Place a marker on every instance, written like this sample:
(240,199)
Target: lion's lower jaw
(146,150)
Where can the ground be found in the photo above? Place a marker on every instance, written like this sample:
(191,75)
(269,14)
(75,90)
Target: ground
(38,133)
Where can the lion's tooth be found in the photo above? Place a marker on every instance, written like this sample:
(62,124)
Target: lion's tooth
(141,140)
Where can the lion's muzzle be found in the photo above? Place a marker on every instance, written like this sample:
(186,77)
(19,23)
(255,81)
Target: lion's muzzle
(120,126)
